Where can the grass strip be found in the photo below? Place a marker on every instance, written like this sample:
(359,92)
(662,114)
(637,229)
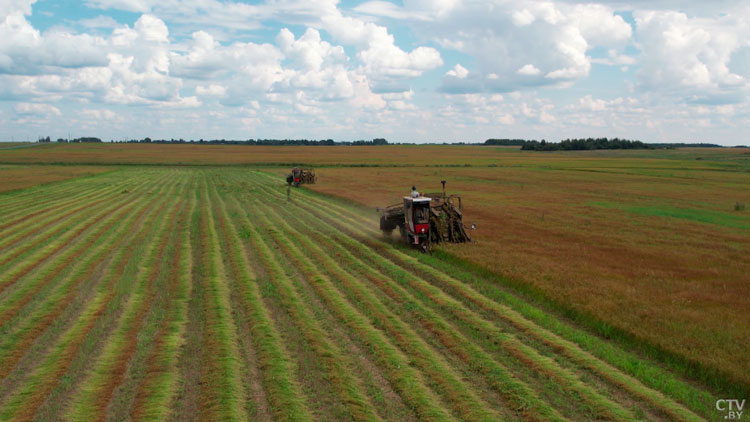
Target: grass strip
(222,393)
(57,251)
(19,335)
(46,227)
(159,387)
(67,261)
(49,202)
(107,369)
(335,362)
(56,361)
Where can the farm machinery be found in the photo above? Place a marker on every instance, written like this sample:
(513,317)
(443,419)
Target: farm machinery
(426,219)
(299,176)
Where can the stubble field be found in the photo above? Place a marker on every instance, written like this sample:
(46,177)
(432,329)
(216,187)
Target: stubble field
(188,293)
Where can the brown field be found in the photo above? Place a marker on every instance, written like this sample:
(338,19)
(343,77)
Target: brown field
(14,177)
(392,155)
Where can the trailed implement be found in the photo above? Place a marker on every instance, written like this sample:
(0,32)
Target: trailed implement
(299,176)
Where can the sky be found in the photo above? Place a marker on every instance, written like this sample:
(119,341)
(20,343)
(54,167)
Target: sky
(407,70)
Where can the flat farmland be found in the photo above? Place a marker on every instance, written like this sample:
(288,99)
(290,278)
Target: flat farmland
(657,249)
(209,294)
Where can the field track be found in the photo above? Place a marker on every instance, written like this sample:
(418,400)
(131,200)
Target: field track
(209,294)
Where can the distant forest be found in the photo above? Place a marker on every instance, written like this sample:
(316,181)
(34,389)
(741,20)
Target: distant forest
(581,144)
(529,145)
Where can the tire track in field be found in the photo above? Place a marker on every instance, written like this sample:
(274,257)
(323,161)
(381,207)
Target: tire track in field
(572,351)
(58,352)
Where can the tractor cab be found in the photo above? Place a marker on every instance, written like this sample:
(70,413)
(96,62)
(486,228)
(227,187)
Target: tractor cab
(417,216)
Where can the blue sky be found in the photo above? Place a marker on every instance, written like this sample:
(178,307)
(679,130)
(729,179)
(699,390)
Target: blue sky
(408,71)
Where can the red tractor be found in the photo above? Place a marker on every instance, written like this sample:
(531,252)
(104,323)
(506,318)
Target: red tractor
(423,220)
(299,176)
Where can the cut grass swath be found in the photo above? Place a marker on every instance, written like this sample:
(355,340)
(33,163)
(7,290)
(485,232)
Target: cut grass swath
(77,342)
(222,394)
(107,371)
(349,391)
(284,394)
(156,393)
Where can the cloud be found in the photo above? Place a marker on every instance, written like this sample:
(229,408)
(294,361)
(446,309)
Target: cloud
(458,71)
(381,58)
(39,110)
(212,90)
(690,57)
(529,70)
(505,36)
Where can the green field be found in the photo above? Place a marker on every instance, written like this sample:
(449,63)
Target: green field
(179,293)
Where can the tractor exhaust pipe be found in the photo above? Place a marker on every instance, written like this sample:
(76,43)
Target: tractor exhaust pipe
(443,182)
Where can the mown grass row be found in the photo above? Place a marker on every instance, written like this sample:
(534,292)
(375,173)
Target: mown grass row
(42,227)
(24,327)
(397,284)
(37,381)
(106,372)
(222,392)
(67,245)
(26,288)
(28,310)
(336,363)
(29,206)
(159,385)
(58,217)
(612,375)
(124,385)
(403,287)
(63,351)
(39,210)
(348,220)
(391,278)
(286,401)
